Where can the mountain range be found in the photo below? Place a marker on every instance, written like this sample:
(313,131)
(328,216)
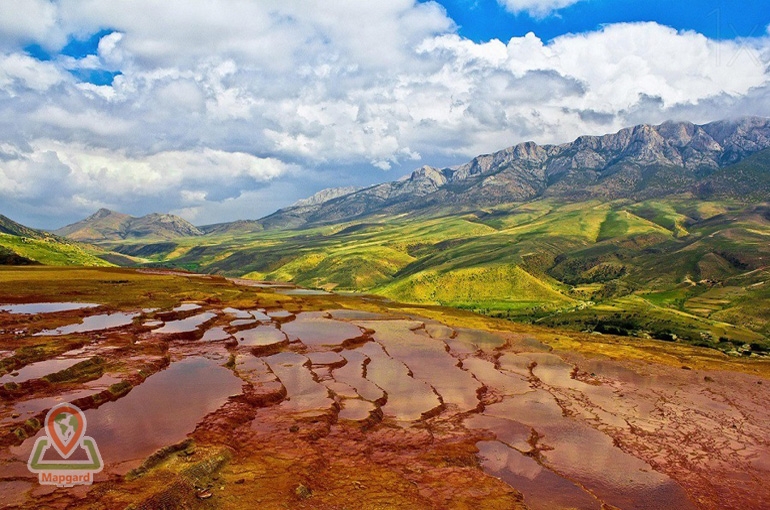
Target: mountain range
(653,230)
(640,162)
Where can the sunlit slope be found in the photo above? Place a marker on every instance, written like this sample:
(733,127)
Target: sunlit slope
(676,267)
(20,245)
(52,251)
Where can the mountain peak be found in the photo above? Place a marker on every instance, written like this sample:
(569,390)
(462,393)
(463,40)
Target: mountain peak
(325,195)
(107,225)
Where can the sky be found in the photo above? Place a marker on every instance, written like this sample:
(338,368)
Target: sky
(218,110)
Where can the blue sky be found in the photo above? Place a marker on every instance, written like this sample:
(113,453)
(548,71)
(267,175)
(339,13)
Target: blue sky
(219,110)
(482,20)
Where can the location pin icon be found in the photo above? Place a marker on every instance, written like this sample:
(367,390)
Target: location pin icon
(66,433)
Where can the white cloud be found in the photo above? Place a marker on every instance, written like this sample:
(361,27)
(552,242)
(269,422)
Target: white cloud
(371,85)
(536,8)
(49,171)
(19,72)
(25,21)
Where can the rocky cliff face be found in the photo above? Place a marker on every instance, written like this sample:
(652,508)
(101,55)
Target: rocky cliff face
(325,195)
(638,162)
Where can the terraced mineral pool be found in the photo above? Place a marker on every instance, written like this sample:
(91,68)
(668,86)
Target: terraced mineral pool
(236,313)
(408,398)
(187,307)
(29,408)
(187,325)
(428,361)
(261,336)
(280,314)
(356,409)
(240,323)
(305,395)
(216,335)
(352,374)
(40,369)
(542,489)
(159,412)
(588,457)
(478,339)
(93,323)
(260,315)
(326,358)
(320,332)
(33,308)
(504,383)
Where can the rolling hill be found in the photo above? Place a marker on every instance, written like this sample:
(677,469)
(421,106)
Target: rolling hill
(20,245)
(658,231)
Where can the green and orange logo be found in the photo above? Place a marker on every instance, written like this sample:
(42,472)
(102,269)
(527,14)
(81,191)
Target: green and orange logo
(65,456)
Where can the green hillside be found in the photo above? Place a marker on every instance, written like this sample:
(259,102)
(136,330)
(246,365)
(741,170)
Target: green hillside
(20,245)
(675,268)
(52,251)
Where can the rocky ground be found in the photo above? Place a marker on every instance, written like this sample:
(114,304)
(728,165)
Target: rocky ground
(208,393)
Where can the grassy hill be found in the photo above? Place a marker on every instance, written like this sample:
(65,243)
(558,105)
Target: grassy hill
(20,245)
(51,251)
(673,268)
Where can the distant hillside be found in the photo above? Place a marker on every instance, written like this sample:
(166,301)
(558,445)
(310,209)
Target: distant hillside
(232,228)
(636,163)
(20,245)
(8,226)
(106,225)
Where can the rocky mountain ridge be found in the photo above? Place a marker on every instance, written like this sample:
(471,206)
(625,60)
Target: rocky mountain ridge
(723,158)
(637,162)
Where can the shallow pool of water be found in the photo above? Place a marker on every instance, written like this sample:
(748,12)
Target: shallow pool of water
(29,408)
(159,412)
(236,313)
(428,360)
(356,409)
(187,307)
(32,308)
(93,323)
(408,399)
(280,314)
(320,332)
(187,325)
(261,336)
(542,489)
(40,369)
(352,374)
(355,314)
(305,394)
(478,339)
(216,334)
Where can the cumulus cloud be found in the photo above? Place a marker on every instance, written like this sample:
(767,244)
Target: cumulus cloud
(26,21)
(215,110)
(536,8)
(47,172)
